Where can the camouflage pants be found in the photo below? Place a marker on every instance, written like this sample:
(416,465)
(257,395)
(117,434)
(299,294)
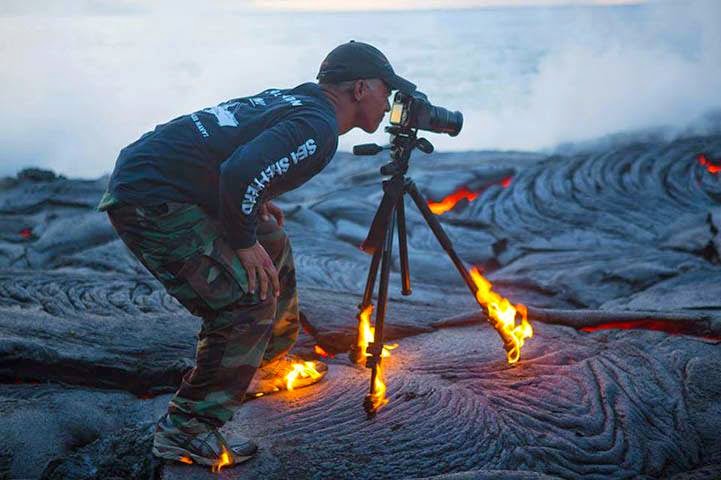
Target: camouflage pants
(184,249)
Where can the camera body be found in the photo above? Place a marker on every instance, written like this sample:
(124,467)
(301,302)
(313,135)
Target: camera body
(415,111)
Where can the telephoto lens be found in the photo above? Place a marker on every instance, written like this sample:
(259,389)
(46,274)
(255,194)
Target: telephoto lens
(441,120)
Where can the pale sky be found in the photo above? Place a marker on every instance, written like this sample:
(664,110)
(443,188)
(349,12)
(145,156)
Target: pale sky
(129,7)
(334,5)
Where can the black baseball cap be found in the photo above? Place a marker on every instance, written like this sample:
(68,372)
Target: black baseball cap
(358,60)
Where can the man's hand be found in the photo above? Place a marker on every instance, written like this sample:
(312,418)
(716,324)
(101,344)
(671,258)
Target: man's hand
(269,208)
(259,266)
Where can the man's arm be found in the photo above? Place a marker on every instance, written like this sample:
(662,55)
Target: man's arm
(292,148)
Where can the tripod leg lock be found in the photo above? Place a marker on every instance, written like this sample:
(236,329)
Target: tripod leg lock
(374,351)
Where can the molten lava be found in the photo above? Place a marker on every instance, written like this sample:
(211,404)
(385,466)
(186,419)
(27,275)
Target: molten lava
(710,166)
(503,316)
(300,370)
(222,461)
(450,201)
(667,326)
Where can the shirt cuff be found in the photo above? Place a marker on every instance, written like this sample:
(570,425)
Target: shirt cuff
(239,239)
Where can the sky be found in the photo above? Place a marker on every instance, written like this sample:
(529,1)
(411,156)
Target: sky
(122,7)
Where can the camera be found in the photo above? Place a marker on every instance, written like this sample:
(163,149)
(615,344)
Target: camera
(415,111)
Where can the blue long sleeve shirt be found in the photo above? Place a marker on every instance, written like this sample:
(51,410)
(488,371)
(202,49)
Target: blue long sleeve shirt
(232,157)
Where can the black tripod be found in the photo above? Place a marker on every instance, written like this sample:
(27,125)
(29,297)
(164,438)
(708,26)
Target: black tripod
(379,241)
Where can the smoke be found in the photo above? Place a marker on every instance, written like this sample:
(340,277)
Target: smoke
(581,92)
(76,88)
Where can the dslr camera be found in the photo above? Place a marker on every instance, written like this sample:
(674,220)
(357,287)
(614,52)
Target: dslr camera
(416,112)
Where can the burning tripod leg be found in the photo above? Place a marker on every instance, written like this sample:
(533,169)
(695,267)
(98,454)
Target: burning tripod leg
(376,398)
(503,316)
(501,313)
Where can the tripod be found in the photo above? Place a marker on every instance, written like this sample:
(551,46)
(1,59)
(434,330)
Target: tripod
(379,242)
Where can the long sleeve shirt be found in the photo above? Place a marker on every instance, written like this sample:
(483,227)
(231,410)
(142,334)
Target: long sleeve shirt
(231,157)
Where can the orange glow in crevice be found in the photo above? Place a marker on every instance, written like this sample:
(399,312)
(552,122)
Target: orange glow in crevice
(450,201)
(710,166)
(670,327)
(464,193)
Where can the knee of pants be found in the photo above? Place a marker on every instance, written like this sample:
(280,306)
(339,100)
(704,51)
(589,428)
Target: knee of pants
(256,317)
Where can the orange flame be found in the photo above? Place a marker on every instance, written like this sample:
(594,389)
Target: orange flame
(711,167)
(503,315)
(187,460)
(320,351)
(378,397)
(302,370)
(365,337)
(366,333)
(222,461)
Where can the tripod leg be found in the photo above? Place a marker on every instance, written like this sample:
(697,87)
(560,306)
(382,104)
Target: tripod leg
(509,341)
(440,234)
(403,247)
(371,280)
(376,348)
(355,353)
(383,287)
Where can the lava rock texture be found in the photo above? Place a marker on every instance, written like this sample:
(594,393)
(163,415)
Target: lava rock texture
(615,249)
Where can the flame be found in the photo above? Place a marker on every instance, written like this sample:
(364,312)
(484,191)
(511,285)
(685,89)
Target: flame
(711,167)
(302,370)
(365,337)
(187,460)
(503,315)
(506,182)
(222,461)
(366,333)
(319,351)
(378,397)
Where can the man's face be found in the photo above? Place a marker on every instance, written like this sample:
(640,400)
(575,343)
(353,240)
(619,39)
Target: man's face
(373,104)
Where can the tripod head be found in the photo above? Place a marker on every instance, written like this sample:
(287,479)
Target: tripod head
(402,143)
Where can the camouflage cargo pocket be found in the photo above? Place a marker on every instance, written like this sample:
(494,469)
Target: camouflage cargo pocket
(217,276)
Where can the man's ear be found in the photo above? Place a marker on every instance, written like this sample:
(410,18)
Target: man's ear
(359,90)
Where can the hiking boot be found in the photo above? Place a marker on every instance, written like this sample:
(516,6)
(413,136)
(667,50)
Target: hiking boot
(206,448)
(290,369)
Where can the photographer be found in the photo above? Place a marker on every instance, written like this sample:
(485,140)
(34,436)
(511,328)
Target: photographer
(192,201)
